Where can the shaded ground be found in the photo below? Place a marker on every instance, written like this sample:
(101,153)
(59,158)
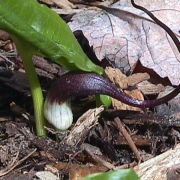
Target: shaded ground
(106,142)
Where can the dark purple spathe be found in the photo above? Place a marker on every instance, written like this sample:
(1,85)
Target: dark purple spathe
(83,84)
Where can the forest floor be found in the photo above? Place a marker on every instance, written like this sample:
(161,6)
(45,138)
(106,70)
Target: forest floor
(116,138)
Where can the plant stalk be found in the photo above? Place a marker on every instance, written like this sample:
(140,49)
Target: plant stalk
(37,96)
(26,53)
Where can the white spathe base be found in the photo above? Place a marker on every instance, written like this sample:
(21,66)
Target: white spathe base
(59,115)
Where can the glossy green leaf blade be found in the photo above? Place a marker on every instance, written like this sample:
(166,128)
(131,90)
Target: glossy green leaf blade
(46,32)
(126,174)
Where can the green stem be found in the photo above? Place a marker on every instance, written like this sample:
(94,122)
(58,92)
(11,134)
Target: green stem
(36,91)
(37,95)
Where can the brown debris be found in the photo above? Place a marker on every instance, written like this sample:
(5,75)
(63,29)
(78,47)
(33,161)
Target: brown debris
(83,126)
(117,77)
(158,167)
(15,163)
(148,88)
(77,171)
(135,79)
(128,138)
(138,140)
(98,159)
(123,82)
(4,35)
(64,4)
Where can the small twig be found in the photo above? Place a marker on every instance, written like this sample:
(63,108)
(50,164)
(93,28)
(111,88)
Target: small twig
(98,159)
(103,162)
(128,138)
(15,163)
(126,166)
(51,130)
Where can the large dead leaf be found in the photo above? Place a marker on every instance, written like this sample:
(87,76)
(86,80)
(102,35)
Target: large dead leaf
(127,39)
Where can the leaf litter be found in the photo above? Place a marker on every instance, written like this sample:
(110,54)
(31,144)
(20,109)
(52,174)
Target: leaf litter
(128,38)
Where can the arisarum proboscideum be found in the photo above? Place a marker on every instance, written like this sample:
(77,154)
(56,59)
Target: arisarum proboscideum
(87,84)
(57,109)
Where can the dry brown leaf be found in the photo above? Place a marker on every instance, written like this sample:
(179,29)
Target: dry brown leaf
(129,39)
(77,171)
(117,77)
(134,79)
(122,81)
(148,88)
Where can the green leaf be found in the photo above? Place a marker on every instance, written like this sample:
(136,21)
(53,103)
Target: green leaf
(45,32)
(103,99)
(126,174)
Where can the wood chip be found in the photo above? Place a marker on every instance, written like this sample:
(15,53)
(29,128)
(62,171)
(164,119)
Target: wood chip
(157,167)
(117,77)
(83,126)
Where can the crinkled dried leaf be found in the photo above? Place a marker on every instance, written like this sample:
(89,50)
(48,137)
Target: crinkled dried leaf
(127,39)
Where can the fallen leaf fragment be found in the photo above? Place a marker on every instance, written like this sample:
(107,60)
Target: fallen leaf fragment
(117,77)
(122,81)
(171,109)
(77,171)
(148,88)
(135,79)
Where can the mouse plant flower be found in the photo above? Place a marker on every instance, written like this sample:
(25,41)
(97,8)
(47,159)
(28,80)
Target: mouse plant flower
(57,108)
(88,84)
